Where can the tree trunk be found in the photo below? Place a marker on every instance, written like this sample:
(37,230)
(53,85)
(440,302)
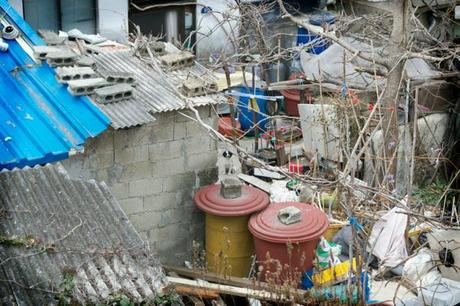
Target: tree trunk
(390,99)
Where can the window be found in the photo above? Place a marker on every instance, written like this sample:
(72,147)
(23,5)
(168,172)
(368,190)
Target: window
(173,23)
(61,14)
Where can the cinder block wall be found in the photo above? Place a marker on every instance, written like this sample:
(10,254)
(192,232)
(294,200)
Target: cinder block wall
(154,170)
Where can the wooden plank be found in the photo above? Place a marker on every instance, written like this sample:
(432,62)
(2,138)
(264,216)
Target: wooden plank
(201,292)
(231,290)
(254,181)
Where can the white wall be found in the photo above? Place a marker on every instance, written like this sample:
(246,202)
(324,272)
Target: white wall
(219,38)
(113,19)
(17,4)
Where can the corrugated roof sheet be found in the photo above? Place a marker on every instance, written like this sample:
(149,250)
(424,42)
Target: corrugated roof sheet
(152,94)
(40,121)
(77,226)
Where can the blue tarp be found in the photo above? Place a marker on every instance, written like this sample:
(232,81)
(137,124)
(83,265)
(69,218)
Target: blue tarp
(40,121)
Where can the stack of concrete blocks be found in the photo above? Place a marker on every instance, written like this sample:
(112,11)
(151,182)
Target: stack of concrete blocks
(66,74)
(175,61)
(61,58)
(114,93)
(154,171)
(85,87)
(118,77)
(40,52)
(193,87)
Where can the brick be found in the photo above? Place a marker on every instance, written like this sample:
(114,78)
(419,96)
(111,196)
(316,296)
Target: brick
(131,155)
(145,187)
(180,181)
(132,205)
(120,190)
(166,150)
(135,171)
(160,202)
(146,220)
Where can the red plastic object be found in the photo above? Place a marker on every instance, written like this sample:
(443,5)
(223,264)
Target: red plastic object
(292,99)
(272,237)
(211,201)
(225,126)
(295,167)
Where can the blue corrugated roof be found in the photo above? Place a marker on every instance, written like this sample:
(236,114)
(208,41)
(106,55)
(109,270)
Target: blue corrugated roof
(40,121)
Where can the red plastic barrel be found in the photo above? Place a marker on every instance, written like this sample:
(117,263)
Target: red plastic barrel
(292,99)
(285,251)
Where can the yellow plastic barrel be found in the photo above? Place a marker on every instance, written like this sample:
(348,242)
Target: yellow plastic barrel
(229,245)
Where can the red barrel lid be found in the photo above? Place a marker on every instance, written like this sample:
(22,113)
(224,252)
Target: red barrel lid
(210,200)
(266,225)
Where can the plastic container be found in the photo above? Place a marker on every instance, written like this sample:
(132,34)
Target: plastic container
(229,245)
(225,127)
(318,44)
(246,115)
(292,99)
(292,245)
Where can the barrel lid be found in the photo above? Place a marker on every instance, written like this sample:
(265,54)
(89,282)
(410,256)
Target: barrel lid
(210,200)
(266,225)
(322,17)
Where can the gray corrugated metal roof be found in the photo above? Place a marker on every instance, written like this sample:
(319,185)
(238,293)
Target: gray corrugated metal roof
(152,93)
(78,226)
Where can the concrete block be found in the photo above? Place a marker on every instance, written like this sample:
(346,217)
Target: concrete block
(52,38)
(40,52)
(184,199)
(135,171)
(174,61)
(230,188)
(201,161)
(160,202)
(195,145)
(166,150)
(193,87)
(118,76)
(162,134)
(204,112)
(85,87)
(133,154)
(207,177)
(169,167)
(168,232)
(132,205)
(194,129)
(92,49)
(157,47)
(146,221)
(85,61)
(134,136)
(145,187)
(65,74)
(98,160)
(61,58)
(180,131)
(113,93)
(178,182)
(120,190)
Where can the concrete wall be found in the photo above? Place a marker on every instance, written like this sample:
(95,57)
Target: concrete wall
(153,170)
